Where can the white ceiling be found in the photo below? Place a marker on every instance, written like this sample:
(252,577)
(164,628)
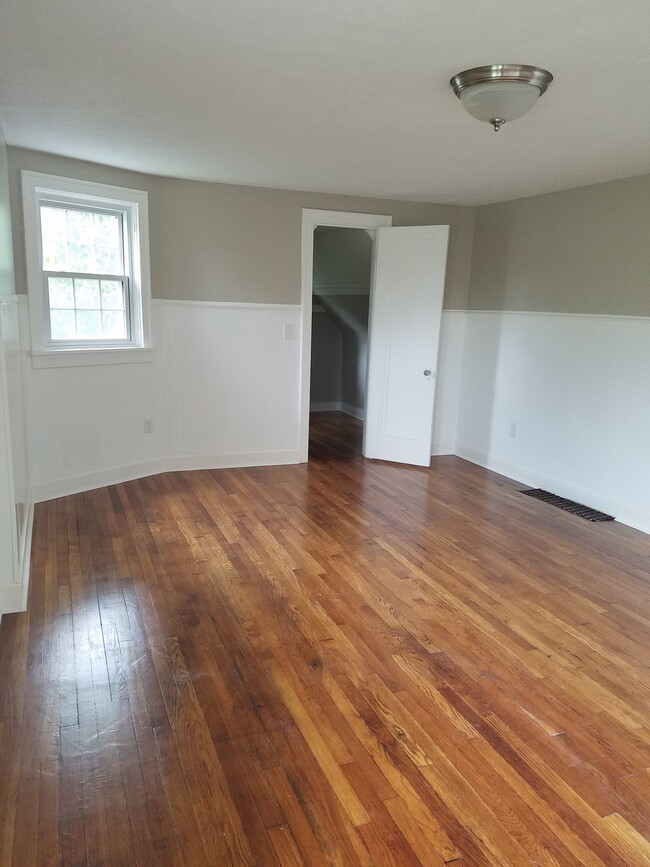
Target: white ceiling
(347,96)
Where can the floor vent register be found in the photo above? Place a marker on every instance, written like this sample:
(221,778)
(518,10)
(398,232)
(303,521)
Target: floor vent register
(585,512)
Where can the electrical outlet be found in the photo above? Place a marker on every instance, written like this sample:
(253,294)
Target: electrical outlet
(289,331)
(147,425)
(513,430)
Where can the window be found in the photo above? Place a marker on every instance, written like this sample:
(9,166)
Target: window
(87,270)
(86,281)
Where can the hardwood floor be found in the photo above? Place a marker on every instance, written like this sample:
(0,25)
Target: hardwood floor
(343,662)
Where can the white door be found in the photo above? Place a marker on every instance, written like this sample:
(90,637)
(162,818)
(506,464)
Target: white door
(406,306)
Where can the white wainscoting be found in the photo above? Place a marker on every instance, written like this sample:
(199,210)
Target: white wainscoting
(578,390)
(85,424)
(15,508)
(231,384)
(448,384)
(222,390)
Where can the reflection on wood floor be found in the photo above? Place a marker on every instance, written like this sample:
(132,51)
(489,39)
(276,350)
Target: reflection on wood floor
(343,662)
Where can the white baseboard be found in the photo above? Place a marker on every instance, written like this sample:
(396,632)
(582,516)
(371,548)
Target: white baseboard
(117,475)
(325,406)
(13,597)
(232,460)
(338,406)
(632,518)
(354,411)
(90,481)
(443,448)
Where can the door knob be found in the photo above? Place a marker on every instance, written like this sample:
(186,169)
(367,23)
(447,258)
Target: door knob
(426,372)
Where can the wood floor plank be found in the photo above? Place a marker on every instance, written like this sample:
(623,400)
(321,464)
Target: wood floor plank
(344,662)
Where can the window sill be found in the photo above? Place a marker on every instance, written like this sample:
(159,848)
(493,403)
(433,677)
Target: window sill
(89,357)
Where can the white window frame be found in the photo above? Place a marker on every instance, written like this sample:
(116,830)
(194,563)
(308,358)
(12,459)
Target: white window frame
(40,189)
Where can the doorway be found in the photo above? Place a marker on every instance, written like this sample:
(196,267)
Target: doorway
(336,297)
(406,294)
(339,334)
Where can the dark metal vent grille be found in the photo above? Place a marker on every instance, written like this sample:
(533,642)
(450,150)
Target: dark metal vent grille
(568,505)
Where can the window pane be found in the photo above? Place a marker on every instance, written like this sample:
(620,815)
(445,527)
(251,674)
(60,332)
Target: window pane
(80,224)
(114,325)
(89,325)
(62,325)
(61,292)
(78,257)
(54,224)
(107,231)
(107,261)
(54,254)
(87,294)
(112,295)
(78,240)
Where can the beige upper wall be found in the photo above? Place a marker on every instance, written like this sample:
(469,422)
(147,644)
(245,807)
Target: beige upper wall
(578,251)
(6,250)
(220,242)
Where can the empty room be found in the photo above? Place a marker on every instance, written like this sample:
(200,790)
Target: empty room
(324,433)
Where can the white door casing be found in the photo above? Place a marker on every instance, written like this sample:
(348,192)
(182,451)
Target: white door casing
(408,283)
(310,219)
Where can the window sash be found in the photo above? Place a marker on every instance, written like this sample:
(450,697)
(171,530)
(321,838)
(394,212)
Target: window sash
(80,342)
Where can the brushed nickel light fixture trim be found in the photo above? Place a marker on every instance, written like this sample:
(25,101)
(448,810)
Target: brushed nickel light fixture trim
(501,92)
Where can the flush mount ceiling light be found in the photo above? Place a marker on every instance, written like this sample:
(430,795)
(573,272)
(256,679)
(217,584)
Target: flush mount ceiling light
(502,92)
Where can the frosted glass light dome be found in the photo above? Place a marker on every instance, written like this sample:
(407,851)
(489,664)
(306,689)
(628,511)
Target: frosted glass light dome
(501,92)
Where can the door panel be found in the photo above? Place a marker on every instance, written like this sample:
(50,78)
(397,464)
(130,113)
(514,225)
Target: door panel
(406,306)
